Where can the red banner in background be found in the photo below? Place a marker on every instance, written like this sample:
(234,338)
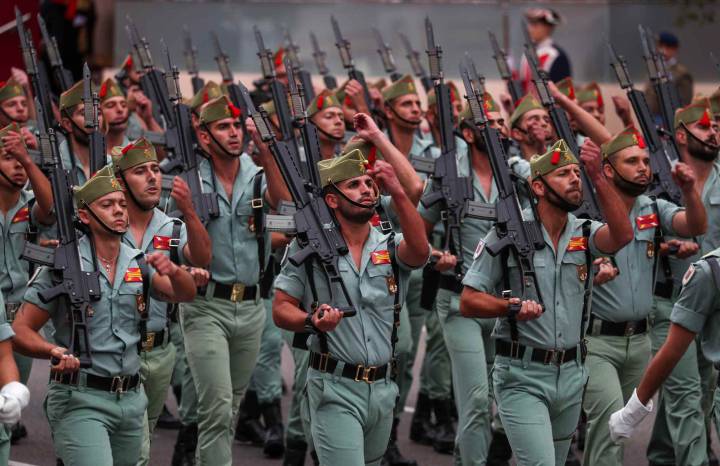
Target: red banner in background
(9,41)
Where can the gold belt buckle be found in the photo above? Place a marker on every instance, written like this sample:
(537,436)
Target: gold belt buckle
(366,373)
(119,384)
(149,342)
(238,290)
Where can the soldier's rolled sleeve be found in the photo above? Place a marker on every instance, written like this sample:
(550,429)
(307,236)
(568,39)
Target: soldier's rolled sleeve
(292,279)
(6,331)
(594,227)
(41,281)
(666,212)
(697,299)
(486,271)
(398,238)
(429,214)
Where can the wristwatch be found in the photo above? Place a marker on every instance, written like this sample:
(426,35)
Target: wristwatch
(309,326)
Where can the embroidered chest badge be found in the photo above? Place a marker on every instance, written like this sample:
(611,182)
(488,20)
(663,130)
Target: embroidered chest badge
(577,243)
(161,242)
(22,215)
(647,221)
(380,257)
(133,275)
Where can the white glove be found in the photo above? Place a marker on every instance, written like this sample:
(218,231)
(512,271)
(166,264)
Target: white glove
(622,423)
(15,396)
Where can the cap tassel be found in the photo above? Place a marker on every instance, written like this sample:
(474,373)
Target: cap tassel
(103,90)
(127,148)
(206,97)
(128,62)
(600,101)
(555,159)
(320,102)
(279,57)
(234,111)
(372,157)
(571,92)
(704,121)
(348,100)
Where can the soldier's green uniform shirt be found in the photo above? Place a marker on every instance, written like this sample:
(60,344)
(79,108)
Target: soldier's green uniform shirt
(6,331)
(630,295)
(365,337)
(77,173)
(113,328)
(561,286)
(14,273)
(234,246)
(156,239)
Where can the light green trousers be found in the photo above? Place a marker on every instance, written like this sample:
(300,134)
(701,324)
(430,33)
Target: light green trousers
(350,421)
(156,368)
(407,339)
(295,430)
(4,444)
(539,406)
(678,435)
(222,341)
(615,366)
(187,410)
(266,378)
(95,428)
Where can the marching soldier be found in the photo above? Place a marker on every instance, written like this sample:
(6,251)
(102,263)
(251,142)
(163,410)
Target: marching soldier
(151,230)
(530,126)
(96,413)
(325,111)
(617,339)
(350,393)
(539,373)
(222,327)
(116,114)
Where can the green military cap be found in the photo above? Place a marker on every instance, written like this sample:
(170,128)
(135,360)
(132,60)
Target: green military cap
(489,105)
(380,84)
(401,87)
(109,89)
(348,165)
(369,151)
(269,107)
(556,157)
(218,109)
(11,128)
(524,105)
(72,96)
(101,183)
(567,87)
(628,137)
(10,89)
(136,153)
(454,94)
(715,103)
(211,90)
(589,93)
(325,99)
(695,112)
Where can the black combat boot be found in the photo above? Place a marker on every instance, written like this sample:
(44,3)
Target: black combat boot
(167,420)
(421,428)
(444,438)
(295,451)
(185,445)
(273,445)
(392,456)
(17,432)
(499,453)
(249,429)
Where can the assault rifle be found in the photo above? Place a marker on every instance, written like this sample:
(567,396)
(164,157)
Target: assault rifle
(662,149)
(304,77)
(62,76)
(514,86)
(98,152)
(318,235)
(183,160)
(234,93)
(589,208)
(319,55)
(451,190)
(343,46)
(74,286)
(386,56)
(413,57)
(152,79)
(38,79)
(665,89)
(190,53)
(521,237)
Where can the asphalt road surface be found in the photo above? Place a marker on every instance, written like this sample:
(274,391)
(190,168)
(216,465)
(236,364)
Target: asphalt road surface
(37,449)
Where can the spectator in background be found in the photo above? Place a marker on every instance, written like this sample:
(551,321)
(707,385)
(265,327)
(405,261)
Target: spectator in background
(541,24)
(668,45)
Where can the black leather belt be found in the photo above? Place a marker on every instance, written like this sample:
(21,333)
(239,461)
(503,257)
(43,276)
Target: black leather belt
(10,311)
(234,292)
(517,351)
(357,372)
(117,384)
(450,283)
(616,329)
(153,340)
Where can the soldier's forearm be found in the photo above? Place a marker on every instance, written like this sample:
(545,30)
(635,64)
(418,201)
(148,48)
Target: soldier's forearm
(664,362)
(199,244)
(474,303)
(415,252)
(8,368)
(586,122)
(620,231)
(695,215)
(404,171)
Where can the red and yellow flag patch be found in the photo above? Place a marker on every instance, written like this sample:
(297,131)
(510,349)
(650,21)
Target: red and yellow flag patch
(380,257)
(577,243)
(22,215)
(161,242)
(133,275)
(647,221)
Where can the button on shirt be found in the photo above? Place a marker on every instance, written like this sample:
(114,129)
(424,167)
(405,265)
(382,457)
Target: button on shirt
(157,238)
(234,246)
(630,295)
(559,274)
(14,273)
(365,337)
(114,326)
